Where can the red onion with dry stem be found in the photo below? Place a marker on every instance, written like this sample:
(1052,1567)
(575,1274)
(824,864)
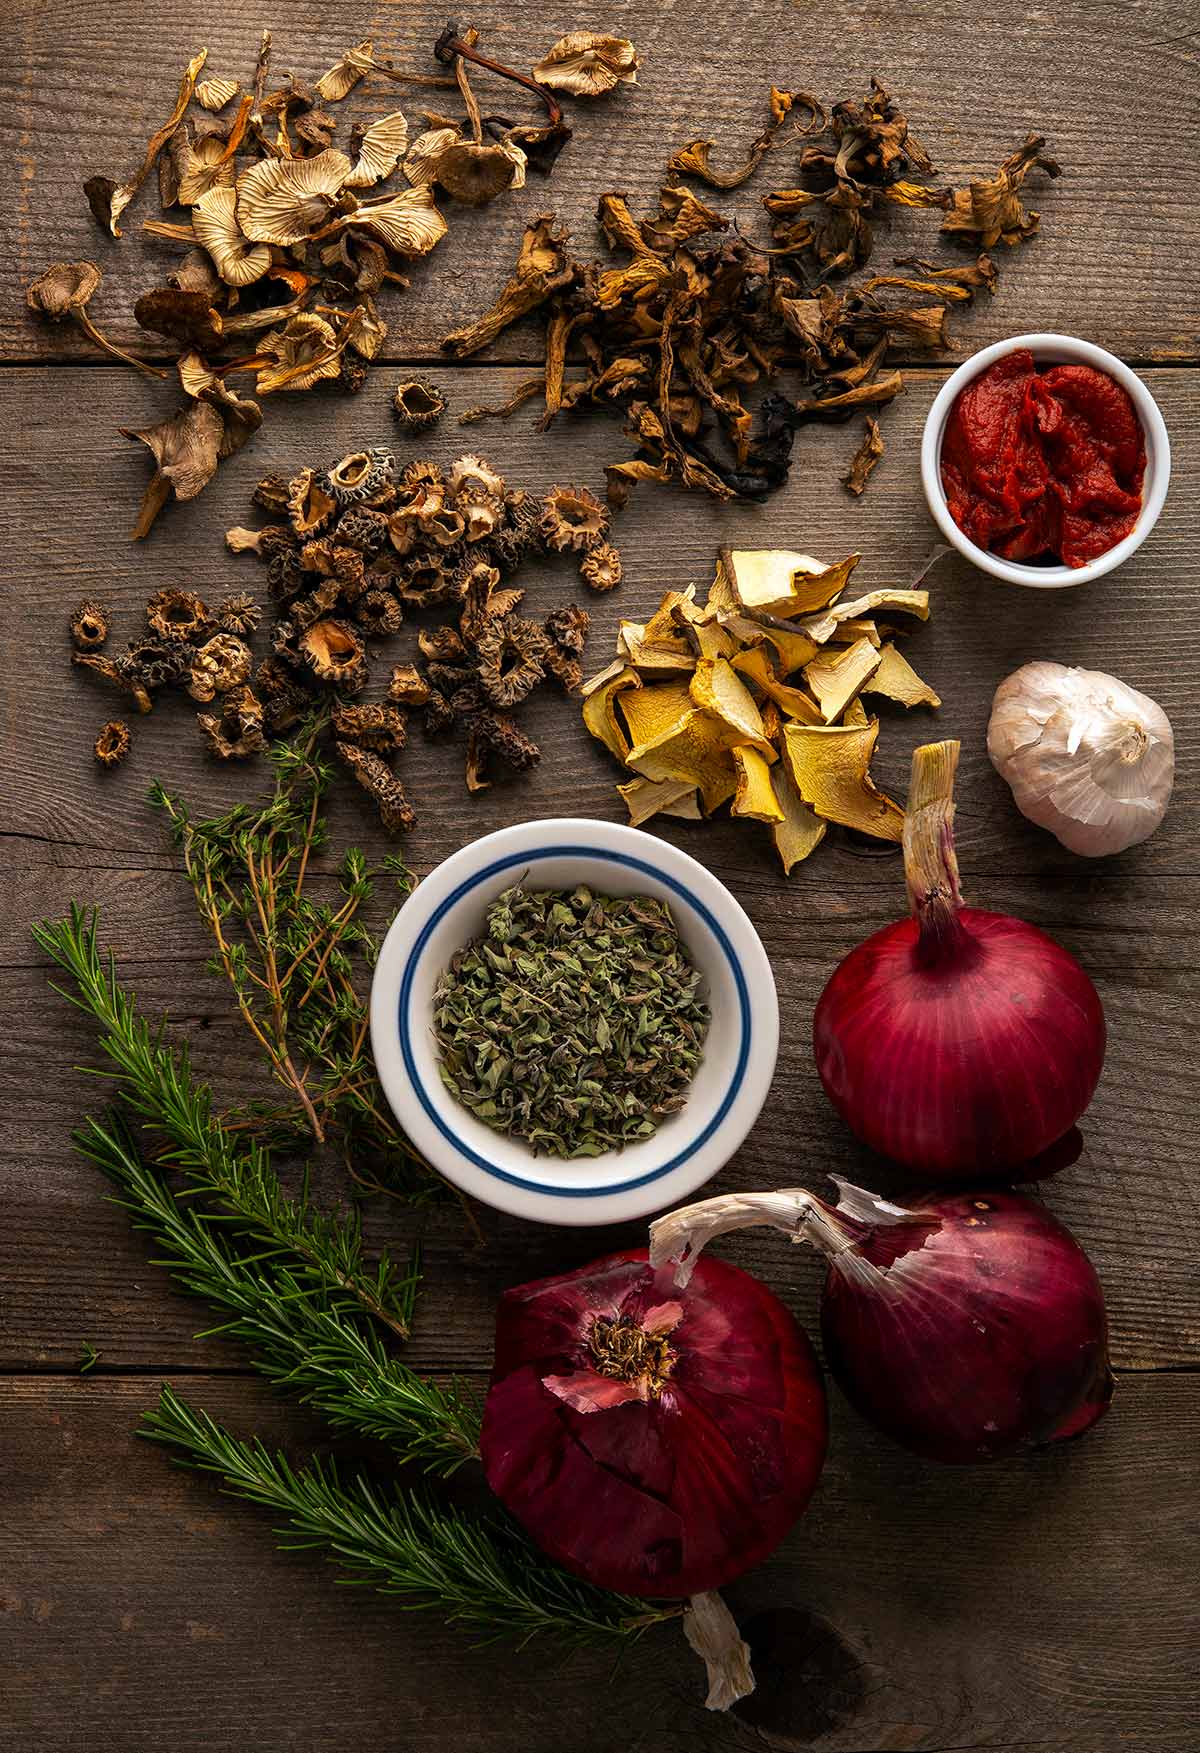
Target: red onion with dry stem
(965,1325)
(957,1042)
(654,1440)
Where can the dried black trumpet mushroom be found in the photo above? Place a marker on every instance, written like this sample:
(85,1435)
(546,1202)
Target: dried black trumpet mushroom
(686,313)
(89,625)
(112,743)
(417,403)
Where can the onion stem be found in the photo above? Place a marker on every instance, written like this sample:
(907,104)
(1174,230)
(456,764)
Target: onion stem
(930,861)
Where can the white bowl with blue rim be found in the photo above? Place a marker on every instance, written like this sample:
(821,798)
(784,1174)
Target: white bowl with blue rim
(726,1095)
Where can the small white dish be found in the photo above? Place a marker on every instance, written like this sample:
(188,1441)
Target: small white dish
(1051,350)
(730,1086)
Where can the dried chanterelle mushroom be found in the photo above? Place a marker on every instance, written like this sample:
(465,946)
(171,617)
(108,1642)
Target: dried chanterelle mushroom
(262,197)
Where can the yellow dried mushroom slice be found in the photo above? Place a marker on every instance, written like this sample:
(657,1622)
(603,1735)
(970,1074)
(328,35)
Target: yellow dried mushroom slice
(654,797)
(696,751)
(776,581)
(600,713)
(800,829)
(654,709)
(755,795)
(830,765)
(896,679)
(836,677)
(716,687)
(756,665)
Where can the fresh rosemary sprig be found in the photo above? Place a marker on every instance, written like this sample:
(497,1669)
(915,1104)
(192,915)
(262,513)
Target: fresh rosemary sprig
(292,961)
(478,1570)
(158,1089)
(306,1334)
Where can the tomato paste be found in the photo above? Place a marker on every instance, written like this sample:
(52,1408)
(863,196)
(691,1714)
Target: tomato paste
(1043,464)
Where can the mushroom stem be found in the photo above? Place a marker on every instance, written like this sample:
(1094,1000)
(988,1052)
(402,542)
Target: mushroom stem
(92,332)
(450,44)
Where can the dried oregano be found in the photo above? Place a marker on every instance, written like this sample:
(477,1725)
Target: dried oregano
(576,1022)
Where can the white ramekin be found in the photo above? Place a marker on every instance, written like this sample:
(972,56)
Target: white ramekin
(1061,350)
(447,910)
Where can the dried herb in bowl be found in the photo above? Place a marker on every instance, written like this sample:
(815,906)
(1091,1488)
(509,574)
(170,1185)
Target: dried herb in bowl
(575,1022)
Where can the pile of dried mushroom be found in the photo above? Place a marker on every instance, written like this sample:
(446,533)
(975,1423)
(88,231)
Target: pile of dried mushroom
(288,243)
(753,698)
(688,313)
(357,545)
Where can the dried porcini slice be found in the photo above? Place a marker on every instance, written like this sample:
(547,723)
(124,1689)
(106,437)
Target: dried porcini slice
(600,567)
(381,784)
(830,767)
(176,613)
(509,654)
(380,727)
(220,664)
(335,653)
(112,742)
(408,686)
(89,625)
(588,63)
(895,678)
(801,830)
(755,795)
(572,519)
(417,403)
(237,732)
(838,675)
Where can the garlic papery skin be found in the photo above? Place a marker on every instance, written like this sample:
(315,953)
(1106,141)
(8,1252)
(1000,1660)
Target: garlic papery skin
(1086,756)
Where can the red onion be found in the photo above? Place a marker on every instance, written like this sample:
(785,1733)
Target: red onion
(966,1325)
(956,1041)
(652,1440)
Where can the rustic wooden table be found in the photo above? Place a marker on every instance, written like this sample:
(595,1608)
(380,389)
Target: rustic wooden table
(1042,1604)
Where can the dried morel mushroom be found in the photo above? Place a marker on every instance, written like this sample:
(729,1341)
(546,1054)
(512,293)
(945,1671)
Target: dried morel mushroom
(370,727)
(754,698)
(89,625)
(572,519)
(237,732)
(417,403)
(509,655)
(336,654)
(220,664)
(600,567)
(380,783)
(112,742)
(176,613)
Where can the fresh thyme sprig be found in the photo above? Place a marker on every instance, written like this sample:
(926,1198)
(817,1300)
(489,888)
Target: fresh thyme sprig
(294,962)
(306,1334)
(478,1570)
(158,1089)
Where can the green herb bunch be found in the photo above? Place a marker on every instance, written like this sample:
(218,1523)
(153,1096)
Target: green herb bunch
(298,964)
(575,1022)
(291,1282)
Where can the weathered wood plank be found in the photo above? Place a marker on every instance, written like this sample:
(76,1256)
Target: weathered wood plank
(81,92)
(76,1273)
(144,1610)
(73,501)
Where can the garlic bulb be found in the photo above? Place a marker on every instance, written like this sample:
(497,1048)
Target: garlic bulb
(1086,756)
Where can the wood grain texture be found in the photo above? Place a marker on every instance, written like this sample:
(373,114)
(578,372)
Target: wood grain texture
(82,89)
(183,1628)
(1041,1606)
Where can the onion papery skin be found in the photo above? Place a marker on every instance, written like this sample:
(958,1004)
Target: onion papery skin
(679,1492)
(960,1064)
(982,1336)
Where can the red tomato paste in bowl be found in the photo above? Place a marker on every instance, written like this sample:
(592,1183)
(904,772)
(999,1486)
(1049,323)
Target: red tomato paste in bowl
(1043,463)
